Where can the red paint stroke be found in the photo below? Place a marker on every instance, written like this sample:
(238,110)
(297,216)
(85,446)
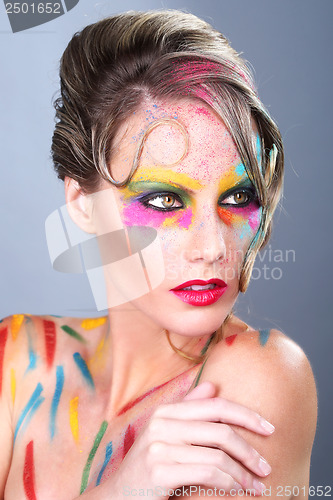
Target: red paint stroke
(130,405)
(3,340)
(50,341)
(29,472)
(128,439)
(230,340)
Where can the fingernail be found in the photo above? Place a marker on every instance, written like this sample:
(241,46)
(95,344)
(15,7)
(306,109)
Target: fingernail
(264,466)
(267,426)
(258,486)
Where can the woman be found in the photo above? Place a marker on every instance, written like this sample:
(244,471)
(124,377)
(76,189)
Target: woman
(170,159)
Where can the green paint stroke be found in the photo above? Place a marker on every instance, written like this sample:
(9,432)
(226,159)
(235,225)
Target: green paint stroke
(87,467)
(73,333)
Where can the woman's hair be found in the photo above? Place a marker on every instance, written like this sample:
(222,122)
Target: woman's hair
(111,68)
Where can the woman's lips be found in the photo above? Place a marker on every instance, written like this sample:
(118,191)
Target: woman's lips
(200,297)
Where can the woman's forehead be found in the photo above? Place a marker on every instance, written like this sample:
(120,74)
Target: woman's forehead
(186,136)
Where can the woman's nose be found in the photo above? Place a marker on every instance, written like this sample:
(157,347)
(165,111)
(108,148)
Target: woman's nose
(207,242)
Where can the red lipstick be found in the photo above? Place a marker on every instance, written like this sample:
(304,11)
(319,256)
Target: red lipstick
(199,292)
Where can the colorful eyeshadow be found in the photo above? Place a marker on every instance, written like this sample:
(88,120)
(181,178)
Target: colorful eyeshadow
(29,472)
(50,341)
(143,176)
(82,366)
(73,333)
(3,341)
(87,467)
(56,399)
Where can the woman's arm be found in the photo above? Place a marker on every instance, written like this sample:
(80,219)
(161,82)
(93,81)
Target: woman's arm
(270,374)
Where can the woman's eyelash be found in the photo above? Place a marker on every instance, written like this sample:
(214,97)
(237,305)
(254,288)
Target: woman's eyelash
(251,196)
(164,197)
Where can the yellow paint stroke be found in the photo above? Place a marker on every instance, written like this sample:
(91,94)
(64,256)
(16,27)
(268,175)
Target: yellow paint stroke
(17,320)
(12,384)
(231,178)
(91,323)
(73,418)
(97,360)
(156,174)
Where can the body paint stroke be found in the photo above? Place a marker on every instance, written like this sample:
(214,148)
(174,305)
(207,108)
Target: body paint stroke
(3,341)
(56,399)
(32,353)
(73,333)
(87,467)
(50,341)
(73,418)
(91,323)
(263,336)
(108,454)
(34,402)
(82,366)
(16,323)
(29,472)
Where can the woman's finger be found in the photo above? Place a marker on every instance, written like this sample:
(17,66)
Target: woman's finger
(211,435)
(216,409)
(203,390)
(185,454)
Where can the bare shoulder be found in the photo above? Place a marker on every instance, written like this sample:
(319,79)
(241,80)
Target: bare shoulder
(268,372)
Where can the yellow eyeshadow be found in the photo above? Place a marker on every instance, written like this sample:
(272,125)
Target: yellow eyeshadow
(166,175)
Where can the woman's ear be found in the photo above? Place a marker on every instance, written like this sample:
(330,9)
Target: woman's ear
(79,205)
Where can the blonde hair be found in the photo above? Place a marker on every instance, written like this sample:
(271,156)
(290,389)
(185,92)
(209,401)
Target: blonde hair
(111,67)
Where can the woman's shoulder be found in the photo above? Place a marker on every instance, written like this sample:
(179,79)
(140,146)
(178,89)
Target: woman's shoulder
(263,359)
(269,373)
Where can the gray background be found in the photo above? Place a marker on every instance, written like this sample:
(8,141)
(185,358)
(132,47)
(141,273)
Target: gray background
(289,43)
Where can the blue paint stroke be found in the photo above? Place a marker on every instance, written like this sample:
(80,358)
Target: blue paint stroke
(32,354)
(82,365)
(108,453)
(258,147)
(263,336)
(33,410)
(56,398)
(28,407)
(240,169)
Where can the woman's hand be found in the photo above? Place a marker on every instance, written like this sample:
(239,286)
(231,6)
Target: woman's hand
(192,443)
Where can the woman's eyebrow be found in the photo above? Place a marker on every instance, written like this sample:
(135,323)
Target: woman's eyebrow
(164,176)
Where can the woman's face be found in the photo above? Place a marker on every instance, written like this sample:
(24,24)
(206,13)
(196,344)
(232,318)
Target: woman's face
(192,189)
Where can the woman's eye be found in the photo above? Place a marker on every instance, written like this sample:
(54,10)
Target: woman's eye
(238,198)
(163,202)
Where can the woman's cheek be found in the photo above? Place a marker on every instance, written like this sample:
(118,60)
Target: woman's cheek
(245,220)
(136,214)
